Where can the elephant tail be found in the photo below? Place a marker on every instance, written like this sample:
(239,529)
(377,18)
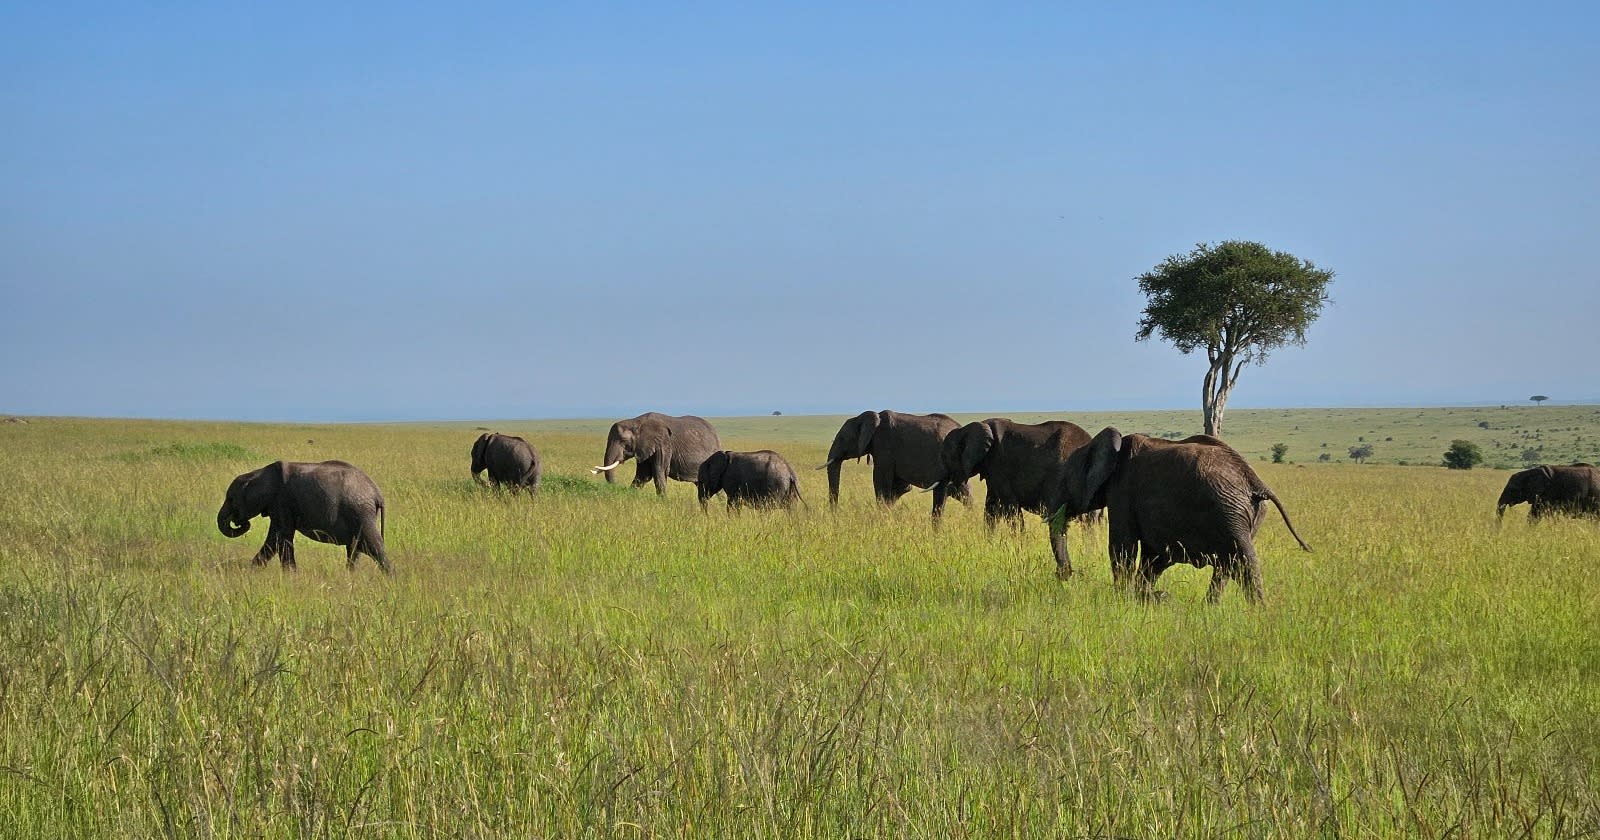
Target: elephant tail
(1268,495)
(381,523)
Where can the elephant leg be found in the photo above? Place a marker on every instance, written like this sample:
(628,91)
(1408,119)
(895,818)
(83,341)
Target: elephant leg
(1152,563)
(885,485)
(286,553)
(641,474)
(269,549)
(1249,573)
(1124,546)
(371,542)
(939,495)
(1219,581)
(991,514)
(659,474)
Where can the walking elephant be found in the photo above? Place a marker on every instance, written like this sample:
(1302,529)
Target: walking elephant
(1194,501)
(1023,465)
(509,460)
(758,479)
(905,452)
(330,502)
(1572,490)
(665,446)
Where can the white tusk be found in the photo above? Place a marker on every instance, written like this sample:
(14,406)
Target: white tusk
(825,466)
(607,468)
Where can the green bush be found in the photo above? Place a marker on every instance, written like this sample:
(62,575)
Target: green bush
(1463,455)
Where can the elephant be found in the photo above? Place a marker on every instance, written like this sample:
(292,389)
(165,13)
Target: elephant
(509,460)
(760,479)
(667,447)
(1022,465)
(1194,501)
(904,450)
(1572,490)
(330,502)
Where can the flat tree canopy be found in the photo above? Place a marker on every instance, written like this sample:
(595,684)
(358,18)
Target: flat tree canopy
(1237,300)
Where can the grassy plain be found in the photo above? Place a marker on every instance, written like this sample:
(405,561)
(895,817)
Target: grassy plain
(601,662)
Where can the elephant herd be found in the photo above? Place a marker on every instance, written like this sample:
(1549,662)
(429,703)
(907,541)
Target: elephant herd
(1194,501)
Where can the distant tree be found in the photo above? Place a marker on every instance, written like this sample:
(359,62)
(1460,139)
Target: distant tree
(1237,300)
(1463,455)
(1361,453)
(1531,456)
(1538,398)
(777,414)
(1278,451)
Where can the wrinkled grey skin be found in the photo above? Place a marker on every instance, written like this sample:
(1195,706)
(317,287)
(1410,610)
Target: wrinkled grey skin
(330,502)
(905,452)
(1194,501)
(1023,465)
(1572,490)
(665,446)
(756,479)
(509,460)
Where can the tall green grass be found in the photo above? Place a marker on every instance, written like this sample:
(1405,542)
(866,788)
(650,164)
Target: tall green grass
(597,661)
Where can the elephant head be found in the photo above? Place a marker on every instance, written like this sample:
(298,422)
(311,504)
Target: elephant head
(853,441)
(1088,469)
(1525,486)
(709,480)
(249,496)
(479,461)
(623,442)
(965,449)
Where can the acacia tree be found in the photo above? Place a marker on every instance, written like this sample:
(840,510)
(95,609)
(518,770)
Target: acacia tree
(1237,300)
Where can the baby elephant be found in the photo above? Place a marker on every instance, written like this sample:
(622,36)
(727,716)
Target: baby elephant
(331,502)
(1572,490)
(762,479)
(509,460)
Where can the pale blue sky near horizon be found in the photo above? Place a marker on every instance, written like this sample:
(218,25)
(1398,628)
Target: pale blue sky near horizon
(395,212)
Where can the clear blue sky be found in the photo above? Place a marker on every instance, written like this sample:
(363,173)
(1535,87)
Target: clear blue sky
(350,212)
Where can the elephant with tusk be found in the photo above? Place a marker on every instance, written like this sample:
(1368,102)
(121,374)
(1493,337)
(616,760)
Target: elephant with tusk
(905,452)
(665,447)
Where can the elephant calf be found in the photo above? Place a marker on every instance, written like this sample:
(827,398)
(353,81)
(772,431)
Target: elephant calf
(1573,490)
(330,502)
(509,460)
(761,479)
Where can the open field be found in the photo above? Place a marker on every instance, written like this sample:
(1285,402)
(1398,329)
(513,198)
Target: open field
(601,662)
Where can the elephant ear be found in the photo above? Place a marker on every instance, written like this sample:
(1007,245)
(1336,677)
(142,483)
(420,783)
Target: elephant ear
(712,470)
(479,447)
(866,427)
(976,443)
(1105,453)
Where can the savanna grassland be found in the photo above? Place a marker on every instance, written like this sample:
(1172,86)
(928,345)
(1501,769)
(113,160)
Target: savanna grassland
(602,662)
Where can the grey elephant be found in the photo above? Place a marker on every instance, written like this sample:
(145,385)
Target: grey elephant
(905,451)
(1194,501)
(330,502)
(509,460)
(757,479)
(1022,464)
(665,446)
(1572,490)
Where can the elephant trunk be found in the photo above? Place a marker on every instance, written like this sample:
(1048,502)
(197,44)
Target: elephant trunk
(834,466)
(225,523)
(614,458)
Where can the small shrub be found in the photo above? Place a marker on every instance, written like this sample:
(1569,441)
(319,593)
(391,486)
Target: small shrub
(1324,457)
(1462,455)
(1278,451)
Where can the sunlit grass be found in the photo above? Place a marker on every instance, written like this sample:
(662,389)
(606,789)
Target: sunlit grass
(597,661)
